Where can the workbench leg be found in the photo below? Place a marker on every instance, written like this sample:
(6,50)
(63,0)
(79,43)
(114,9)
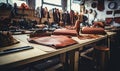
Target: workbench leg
(76,66)
(73,60)
(64,61)
(70,60)
(109,42)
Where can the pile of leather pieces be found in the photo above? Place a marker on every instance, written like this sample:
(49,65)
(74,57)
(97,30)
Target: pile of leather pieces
(43,37)
(61,38)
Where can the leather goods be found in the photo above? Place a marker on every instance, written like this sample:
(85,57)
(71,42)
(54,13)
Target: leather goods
(94,5)
(98,24)
(112,5)
(109,12)
(108,21)
(93,30)
(53,41)
(100,5)
(24,6)
(117,19)
(117,12)
(65,31)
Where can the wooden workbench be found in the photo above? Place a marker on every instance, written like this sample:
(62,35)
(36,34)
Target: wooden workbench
(40,52)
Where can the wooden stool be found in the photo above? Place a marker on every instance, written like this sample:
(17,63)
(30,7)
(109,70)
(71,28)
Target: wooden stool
(101,57)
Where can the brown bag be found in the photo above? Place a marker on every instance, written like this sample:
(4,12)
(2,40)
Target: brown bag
(93,30)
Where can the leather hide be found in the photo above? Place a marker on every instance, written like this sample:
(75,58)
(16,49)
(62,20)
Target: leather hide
(53,41)
(65,31)
(93,30)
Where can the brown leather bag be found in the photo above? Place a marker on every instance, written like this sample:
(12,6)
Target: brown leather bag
(93,30)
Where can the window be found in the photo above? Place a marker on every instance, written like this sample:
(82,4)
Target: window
(3,1)
(13,1)
(77,1)
(55,2)
(38,3)
(52,4)
(73,6)
(18,2)
(68,5)
(49,7)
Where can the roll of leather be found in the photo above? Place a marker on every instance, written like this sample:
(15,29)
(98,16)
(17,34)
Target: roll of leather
(93,30)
